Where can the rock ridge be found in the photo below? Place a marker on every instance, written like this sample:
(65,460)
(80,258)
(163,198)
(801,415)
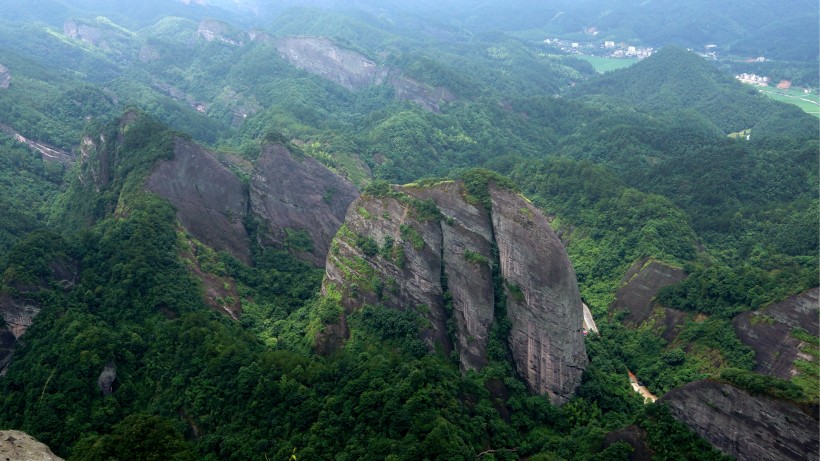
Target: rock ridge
(437,250)
(352,70)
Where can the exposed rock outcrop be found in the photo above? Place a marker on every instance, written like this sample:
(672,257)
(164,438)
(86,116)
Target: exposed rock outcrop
(5,77)
(19,311)
(543,302)
(16,445)
(395,250)
(769,331)
(210,200)
(352,70)
(214,30)
(292,197)
(106,379)
(322,57)
(640,284)
(745,426)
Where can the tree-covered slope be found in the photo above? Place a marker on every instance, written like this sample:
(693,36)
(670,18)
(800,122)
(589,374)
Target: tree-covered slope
(213,353)
(674,80)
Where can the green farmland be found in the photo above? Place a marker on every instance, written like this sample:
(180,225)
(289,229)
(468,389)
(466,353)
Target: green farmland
(603,64)
(810,103)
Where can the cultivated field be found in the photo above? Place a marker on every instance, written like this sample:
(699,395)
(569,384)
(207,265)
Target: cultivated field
(603,64)
(808,102)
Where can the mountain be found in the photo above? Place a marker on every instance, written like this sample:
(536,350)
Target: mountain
(272,233)
(471,259)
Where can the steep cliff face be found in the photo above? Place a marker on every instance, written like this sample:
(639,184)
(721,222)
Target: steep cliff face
(5,77)
(431,249)
(350,69)
(295,197)
(543,302)
(769,331)
(16,445)
(742,425)
(210,200)
(640,284)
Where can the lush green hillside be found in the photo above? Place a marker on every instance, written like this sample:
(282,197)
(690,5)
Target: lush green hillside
(631,165)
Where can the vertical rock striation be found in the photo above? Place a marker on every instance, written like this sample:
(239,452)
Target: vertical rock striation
(5,77)
(432,249)
(543,302)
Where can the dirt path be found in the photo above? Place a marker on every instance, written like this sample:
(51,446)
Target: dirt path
(637,387)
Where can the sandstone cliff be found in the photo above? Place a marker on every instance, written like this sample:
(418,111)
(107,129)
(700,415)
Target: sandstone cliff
(16,445)
(745,426)
(210,200)
(292,196)
(350,69)
(431,249)
(640,284)
(214,30)
(769,331)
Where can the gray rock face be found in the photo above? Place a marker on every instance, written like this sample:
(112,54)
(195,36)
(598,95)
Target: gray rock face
(19,446)
(213,30)
(769,332)
(5,77)
(106,380)
(543,302)
(323,58)
(640,284)
(422,261)
(290,195)
(745,426)
(210,200)
(471,284)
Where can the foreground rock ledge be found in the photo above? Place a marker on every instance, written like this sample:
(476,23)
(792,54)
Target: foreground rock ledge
(19,446)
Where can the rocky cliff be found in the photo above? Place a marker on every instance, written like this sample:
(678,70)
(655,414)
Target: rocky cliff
(16,445)
(5,77)
(352,70)
(322,57)
(210,200)
(290,202)
(770,332)
(640,284)
(213,30)
(745,426)
(432,249)
(292,197)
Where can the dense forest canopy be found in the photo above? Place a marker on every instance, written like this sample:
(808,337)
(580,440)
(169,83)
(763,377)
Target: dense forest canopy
(669,161)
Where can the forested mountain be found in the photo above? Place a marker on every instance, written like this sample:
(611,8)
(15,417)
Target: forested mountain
(326,230)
